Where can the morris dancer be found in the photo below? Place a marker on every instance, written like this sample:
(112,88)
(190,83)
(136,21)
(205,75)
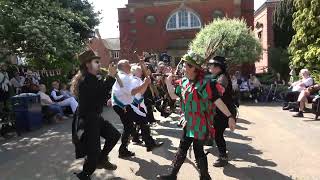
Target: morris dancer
(92,93)
(218,67)
(199,97)
(122,102)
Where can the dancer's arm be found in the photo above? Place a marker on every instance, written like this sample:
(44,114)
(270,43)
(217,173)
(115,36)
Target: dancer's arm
(170,88)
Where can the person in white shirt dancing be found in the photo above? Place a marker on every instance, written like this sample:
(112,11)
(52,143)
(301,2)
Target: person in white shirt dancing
(122,102)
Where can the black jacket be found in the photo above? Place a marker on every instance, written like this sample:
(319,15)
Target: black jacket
(92,97)
(93,94)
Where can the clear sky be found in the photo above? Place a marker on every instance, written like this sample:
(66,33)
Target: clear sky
(109,23)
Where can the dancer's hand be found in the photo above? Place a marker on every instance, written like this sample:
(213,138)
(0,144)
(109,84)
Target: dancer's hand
(147,80)
(169,78)
(232,123)
(112,70)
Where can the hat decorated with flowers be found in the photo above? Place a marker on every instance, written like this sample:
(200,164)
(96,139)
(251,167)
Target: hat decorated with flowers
(193,59)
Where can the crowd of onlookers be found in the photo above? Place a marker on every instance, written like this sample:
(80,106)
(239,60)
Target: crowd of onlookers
(58,101)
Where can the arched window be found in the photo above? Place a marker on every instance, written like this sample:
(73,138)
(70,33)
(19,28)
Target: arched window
(183,19)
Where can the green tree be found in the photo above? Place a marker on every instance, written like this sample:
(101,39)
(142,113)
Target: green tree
(305,45)
(279,61)
(282,23)
(47,32)
(238,43)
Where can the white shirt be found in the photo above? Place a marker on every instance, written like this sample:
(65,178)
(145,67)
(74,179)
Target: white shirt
(307,82)
(54,95)
(44,96)
(235,85)
(123,94)
(138,82)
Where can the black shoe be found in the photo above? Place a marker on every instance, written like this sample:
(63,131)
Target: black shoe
(299,114)
(176,165)
(286,108)
(294,110)
(83,176)
(154,145)
(167,177)
(106,164)
(221,162)
(126,154)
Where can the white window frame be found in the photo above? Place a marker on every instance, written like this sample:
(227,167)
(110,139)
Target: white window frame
(176,14)
(116,54)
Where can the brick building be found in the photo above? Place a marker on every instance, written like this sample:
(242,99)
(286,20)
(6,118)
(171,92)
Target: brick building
(159,26)
(108,49)
(263,20)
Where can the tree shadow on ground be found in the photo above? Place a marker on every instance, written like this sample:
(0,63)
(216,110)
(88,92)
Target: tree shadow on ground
(262,104)
(260,173)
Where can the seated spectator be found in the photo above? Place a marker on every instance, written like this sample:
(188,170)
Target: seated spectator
(244,86)
(4,84)
(303,98)
(235,89)
(278,80)
(62,100)
(52,106)
(235,85)
(254,85)
(17,82)
(65,91)
(297,87)
(31,84)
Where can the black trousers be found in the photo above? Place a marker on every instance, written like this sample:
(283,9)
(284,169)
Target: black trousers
(128,119)
(292,96)
(94,127)
(185,143)
(150,116)
(254,92)
(220,124)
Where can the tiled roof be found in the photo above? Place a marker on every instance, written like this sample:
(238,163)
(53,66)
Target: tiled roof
(112,44)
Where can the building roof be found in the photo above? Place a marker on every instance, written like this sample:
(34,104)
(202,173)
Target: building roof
(112,44)
(265,4)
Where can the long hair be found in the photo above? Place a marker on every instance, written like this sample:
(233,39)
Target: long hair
(77,79)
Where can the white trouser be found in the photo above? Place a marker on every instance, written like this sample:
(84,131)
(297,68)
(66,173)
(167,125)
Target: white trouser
(69,102)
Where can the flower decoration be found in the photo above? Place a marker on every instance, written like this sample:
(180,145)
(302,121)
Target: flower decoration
(193,59)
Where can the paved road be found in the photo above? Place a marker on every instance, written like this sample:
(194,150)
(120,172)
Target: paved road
(269,144)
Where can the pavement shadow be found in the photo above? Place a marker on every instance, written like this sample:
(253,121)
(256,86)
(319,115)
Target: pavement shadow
(234,135)
(260,173)
(243,121)
(262,104)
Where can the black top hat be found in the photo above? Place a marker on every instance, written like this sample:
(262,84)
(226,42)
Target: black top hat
(218,60)
(88,56)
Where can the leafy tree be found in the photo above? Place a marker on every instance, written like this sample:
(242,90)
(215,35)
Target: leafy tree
(279,61)
(305,45)
(238,43)
(282,23)
(47,32)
